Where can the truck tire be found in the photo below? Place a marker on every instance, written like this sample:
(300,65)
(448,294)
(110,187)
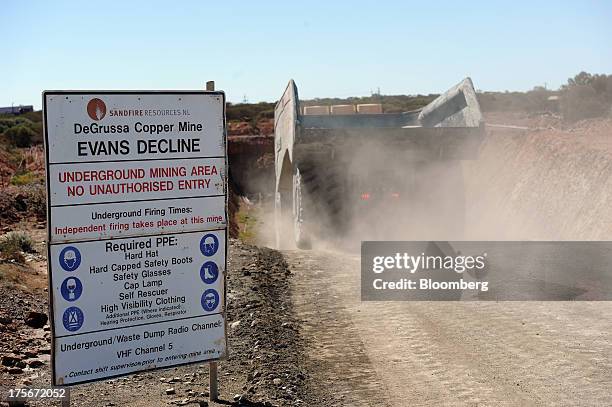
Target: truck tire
(282,206)
(300,213)
(278,220)
(323,195)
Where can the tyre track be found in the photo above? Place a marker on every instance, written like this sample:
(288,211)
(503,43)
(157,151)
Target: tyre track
(509,353)
(339,362)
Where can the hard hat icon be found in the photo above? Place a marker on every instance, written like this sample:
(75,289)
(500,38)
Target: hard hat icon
(70,258)
(209,244)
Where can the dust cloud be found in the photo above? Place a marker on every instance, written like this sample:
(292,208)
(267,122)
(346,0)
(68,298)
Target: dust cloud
(524,185)
(398,193)
(539,185)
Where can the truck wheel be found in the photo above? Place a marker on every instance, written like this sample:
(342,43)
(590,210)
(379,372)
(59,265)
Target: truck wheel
(278,220)
(300,233)
(323,195)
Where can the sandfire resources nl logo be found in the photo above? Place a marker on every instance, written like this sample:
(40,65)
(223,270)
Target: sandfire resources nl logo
(96,109)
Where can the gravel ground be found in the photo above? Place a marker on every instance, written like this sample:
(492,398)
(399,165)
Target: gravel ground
(422,353)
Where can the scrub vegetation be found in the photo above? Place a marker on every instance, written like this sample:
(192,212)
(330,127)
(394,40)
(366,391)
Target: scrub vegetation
(14,244)
(247,223)
(26,178)
(21,131)
(584,96)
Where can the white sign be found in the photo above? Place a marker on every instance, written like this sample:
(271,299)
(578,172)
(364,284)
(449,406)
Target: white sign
(117,126)
(125,219)
(137,220)
(74,184)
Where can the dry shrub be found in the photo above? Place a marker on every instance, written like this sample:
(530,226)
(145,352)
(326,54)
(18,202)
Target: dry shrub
(582,102)
(586,96)
(36,200)
(14,244)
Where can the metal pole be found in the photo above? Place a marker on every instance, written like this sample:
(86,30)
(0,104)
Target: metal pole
(214,383)
(66,400)
(213,393)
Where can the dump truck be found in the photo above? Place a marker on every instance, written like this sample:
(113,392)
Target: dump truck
(383,171)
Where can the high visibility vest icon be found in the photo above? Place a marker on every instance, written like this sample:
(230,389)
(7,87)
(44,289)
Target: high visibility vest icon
(73,319)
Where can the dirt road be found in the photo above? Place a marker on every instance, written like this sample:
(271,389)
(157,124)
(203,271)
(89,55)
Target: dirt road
(450,353)
(527,185)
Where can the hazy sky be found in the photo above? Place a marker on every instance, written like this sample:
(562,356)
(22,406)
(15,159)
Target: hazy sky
(329,48)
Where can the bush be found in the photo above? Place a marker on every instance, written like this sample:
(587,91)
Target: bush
(265,114)
(38,133)
(20,135)
(6,122)
(248,112)
(21,131)
(14,243)
(582,102)
(26,179)
(10,156)
(586,96)
(36,200)
(36,117)
(247,224)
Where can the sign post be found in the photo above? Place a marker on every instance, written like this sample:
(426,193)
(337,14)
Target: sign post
(213,395)
(137,230)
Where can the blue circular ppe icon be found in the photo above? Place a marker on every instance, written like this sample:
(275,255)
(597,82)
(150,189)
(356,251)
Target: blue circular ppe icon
(209,272)
(73,319)
(70,258)
(210,300)
(209,245)
(71,289)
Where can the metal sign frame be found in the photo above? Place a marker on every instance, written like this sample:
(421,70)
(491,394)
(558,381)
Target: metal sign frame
(212,361)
